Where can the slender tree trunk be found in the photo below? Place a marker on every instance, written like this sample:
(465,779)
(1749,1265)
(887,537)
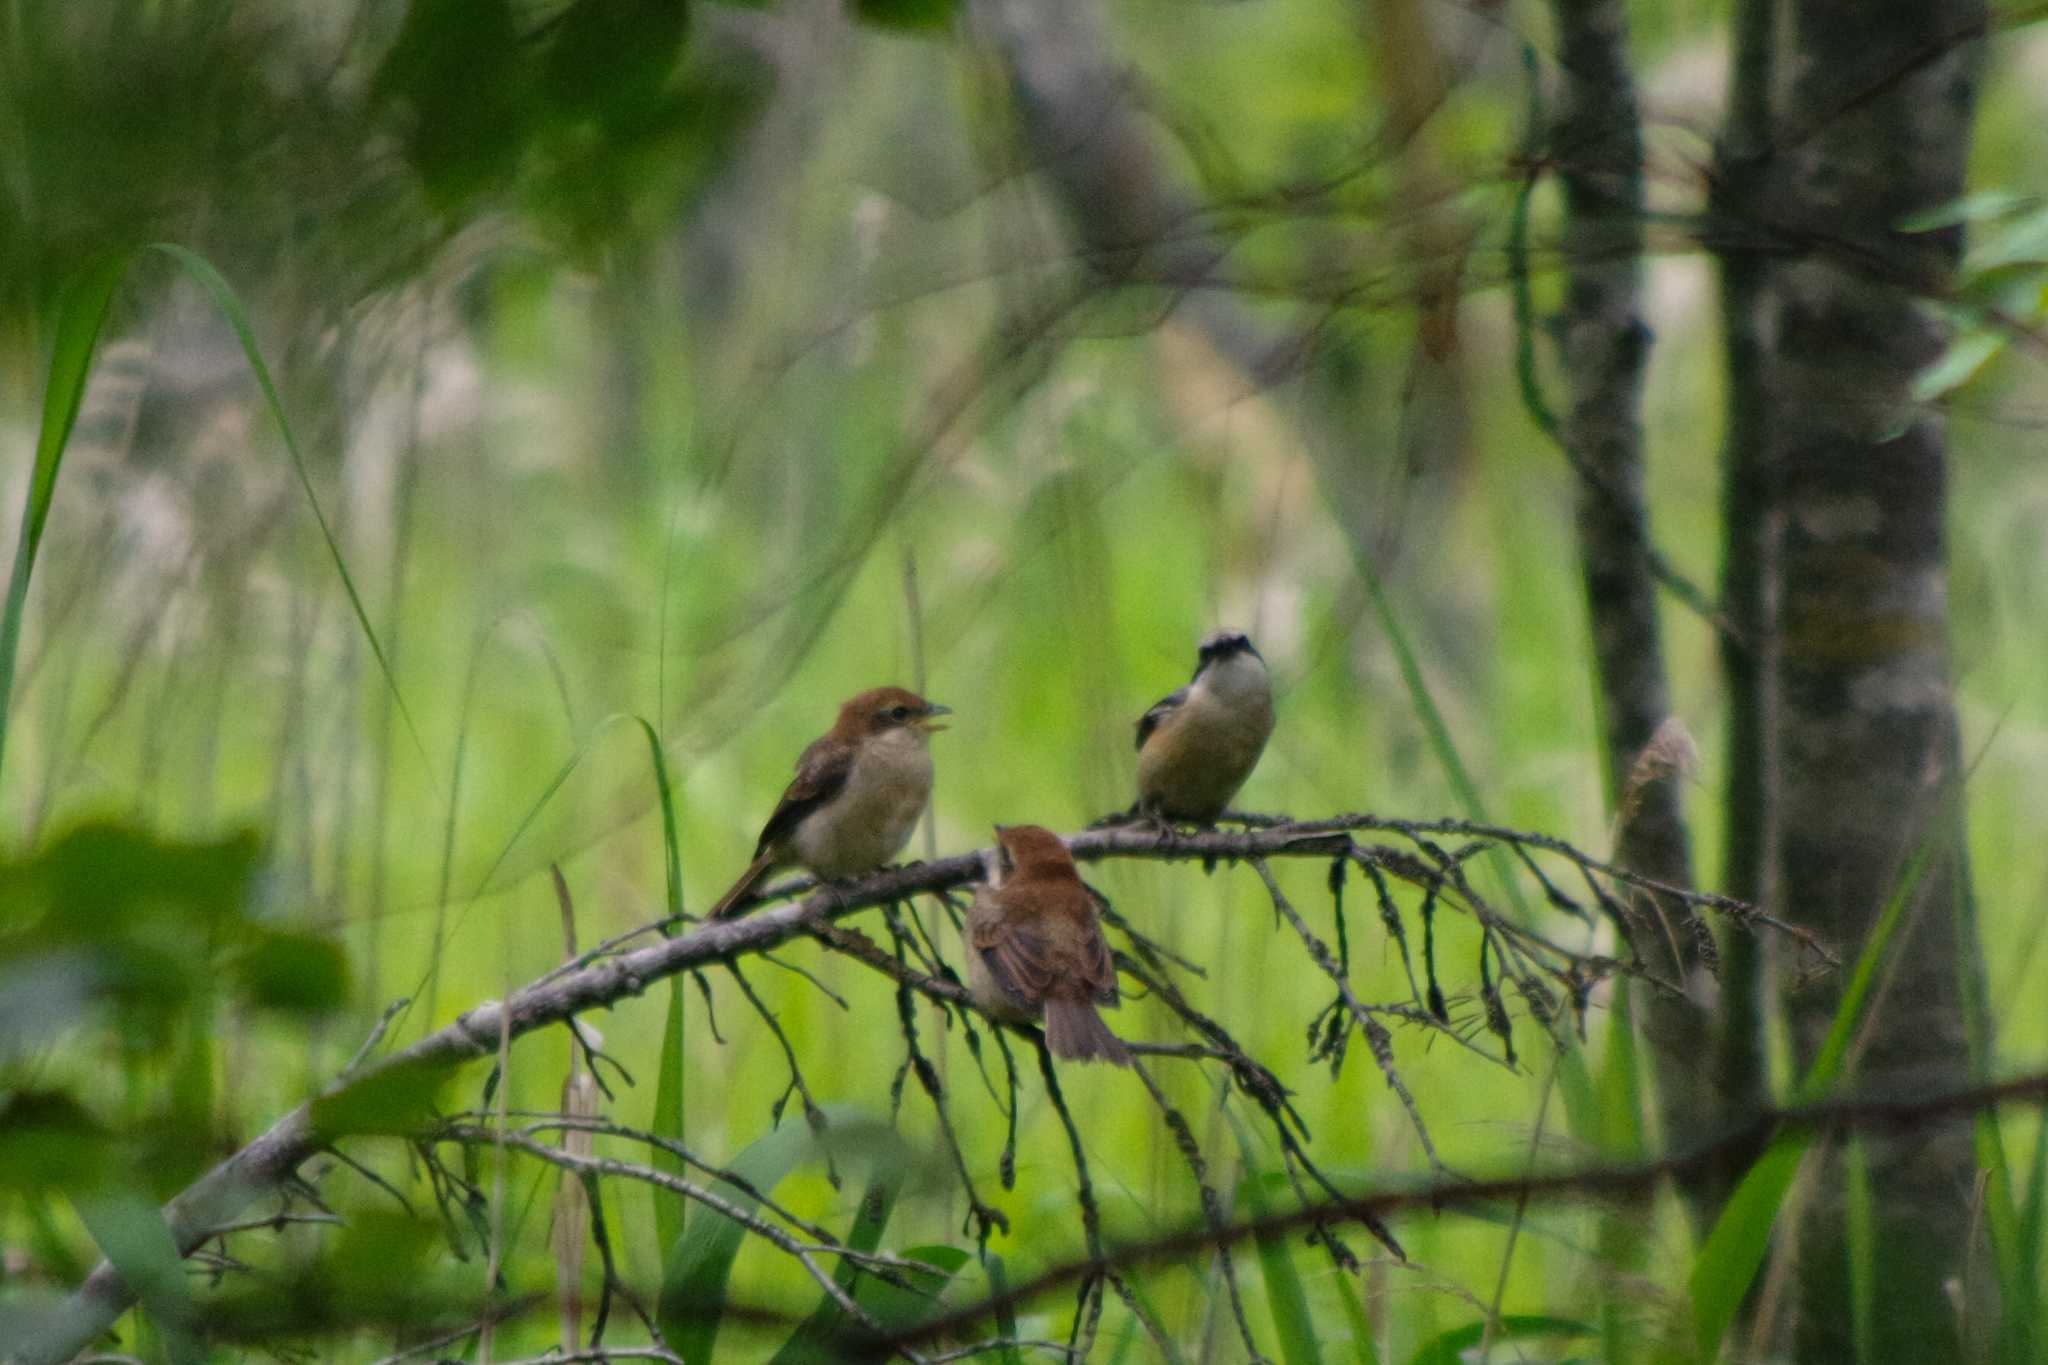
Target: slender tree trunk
(1748,551)
(1876,125)
(1599,150)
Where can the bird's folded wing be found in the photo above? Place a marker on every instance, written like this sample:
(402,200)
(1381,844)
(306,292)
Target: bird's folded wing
(1161,709)
(821,773)
(1099,970)
(1019,958)
(1101,966)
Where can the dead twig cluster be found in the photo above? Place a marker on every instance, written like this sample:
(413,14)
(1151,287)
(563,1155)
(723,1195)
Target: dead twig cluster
(1431,861)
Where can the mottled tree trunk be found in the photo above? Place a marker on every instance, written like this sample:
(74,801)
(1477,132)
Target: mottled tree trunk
(1748,550)
(1875,125)
(1598,146)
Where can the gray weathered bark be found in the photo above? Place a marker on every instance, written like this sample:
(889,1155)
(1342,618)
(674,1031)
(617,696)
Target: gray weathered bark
(1598,146)
(1748,547)
(1876,125)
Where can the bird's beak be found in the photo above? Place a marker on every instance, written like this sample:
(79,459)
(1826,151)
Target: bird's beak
(932,711)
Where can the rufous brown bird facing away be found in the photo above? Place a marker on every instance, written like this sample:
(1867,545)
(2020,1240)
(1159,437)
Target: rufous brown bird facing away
(859,790)
(1197,746)
(1035,947)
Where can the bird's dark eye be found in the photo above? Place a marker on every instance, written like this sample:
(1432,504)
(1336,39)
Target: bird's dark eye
(899,713)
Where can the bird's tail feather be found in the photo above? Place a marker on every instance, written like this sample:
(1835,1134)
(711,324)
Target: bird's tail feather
(1076,1033)
(742,888)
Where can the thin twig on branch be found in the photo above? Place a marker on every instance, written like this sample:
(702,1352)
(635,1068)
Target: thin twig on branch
(1631,1180)
(220,1196)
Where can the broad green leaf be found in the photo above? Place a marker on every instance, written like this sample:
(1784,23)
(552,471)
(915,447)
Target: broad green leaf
(2024,241)
(609,58)
(895,1306)
(1449,1348)
(1959,364)
(693,1295)
(809,1341)
(100,879)
(824,1338)
(460,83)
(130,1231)
(293,970)
(380,1255)
(396,1098)
(49,1142)
(1969,208)
(112,914)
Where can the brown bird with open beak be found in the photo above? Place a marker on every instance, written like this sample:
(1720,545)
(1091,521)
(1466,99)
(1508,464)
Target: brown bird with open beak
(860,788)
(1197,746)
(1035,947)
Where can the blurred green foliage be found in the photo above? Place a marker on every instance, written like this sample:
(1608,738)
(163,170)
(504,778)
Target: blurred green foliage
(648,362)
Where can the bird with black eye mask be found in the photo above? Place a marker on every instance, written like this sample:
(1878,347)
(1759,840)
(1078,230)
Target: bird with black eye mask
(859,790)
(1197,746)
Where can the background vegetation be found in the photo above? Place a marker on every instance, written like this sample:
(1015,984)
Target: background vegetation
(666,375)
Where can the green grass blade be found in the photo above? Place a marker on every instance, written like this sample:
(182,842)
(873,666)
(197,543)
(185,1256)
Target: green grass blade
(1006,1316)
(81,314)
(670,825)
(1285,1299)
(2019,1297)
(1735,1247)
(2031,1219)
(526,820)
(1860,1223)
(2019,1288)
(223,296)
(669,1089)
(1134,1332)
(669,1094)
(1622,1239)
(1362,1347)
(1439,731)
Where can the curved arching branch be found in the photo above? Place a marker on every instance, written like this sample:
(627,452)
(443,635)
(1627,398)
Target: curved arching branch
(220,1196)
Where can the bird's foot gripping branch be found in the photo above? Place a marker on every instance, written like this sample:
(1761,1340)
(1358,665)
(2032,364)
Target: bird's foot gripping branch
(1411,875)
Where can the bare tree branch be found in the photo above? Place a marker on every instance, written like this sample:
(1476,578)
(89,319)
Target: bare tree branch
(219,1197)
(1628,1181)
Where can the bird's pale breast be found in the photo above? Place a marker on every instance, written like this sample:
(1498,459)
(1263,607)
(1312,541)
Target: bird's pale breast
(867,824)
(1201,754)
